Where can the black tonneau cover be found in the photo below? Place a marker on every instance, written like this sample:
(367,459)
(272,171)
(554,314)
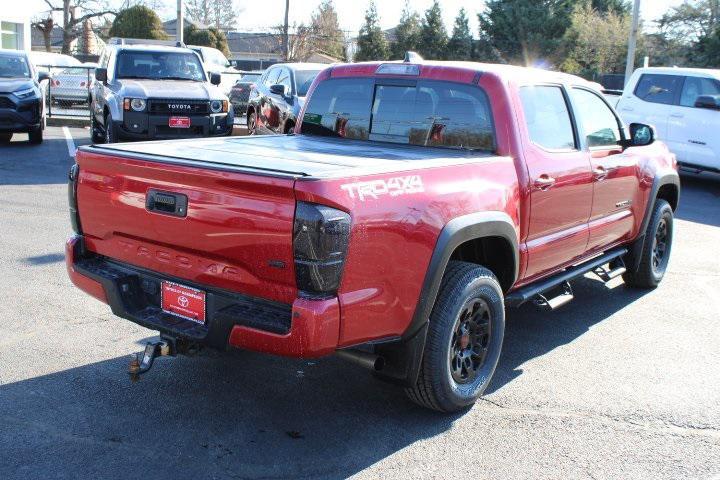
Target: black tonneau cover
(293,155)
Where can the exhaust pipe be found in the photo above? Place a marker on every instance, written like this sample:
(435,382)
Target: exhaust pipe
(364,359)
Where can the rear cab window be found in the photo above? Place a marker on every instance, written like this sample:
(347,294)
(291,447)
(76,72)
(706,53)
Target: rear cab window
(547,117)
(423,112)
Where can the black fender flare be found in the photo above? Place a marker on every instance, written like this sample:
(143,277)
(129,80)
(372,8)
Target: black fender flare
(403,358)
(670,178)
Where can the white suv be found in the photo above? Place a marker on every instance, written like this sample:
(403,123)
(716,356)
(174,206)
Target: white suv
(684,106)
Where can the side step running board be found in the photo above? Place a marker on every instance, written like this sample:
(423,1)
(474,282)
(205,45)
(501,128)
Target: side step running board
(523,294)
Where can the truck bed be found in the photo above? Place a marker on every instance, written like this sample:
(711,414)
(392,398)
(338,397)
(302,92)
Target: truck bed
(293,156)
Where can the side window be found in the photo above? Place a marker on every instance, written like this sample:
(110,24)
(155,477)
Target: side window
(696,86)
(656,88)
(547,117)
(595,119)
(284,79)
(271,77)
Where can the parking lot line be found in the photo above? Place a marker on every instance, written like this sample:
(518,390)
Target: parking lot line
(70,142)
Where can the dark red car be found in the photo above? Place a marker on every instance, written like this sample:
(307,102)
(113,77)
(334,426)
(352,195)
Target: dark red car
(414,203)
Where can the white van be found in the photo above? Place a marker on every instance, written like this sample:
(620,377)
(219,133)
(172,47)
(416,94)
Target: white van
(684,106)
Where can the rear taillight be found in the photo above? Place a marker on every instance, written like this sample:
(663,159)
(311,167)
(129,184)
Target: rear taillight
(320,241)
(72,198)
(55,83)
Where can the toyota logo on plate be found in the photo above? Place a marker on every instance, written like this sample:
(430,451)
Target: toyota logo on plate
(183,301)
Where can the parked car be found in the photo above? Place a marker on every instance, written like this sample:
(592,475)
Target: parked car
(413,204)
(153,92)
(72,85)
(240,92)
(22,105)
(277,97)
(684,106)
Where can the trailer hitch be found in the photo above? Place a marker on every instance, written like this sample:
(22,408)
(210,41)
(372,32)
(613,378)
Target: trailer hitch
(160,348)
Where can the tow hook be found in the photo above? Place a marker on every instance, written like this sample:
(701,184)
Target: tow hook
(152,350)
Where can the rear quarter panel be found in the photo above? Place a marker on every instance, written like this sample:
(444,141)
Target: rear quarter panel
(395,231)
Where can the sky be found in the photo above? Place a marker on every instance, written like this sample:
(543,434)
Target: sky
(350,12)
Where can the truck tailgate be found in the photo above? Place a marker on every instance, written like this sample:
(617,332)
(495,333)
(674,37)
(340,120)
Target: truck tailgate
(236,233)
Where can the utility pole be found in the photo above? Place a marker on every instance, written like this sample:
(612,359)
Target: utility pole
(179,23)
(630,65)
(286,32)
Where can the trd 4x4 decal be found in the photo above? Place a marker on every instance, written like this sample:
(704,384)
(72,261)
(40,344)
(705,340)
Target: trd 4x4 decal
(392,186)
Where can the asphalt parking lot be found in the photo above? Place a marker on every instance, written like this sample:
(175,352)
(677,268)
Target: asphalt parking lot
(618,384)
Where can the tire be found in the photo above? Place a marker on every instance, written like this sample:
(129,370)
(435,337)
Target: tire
(5,137)
(252,123)
(110,131)
(469,296)
(36,135)
(96,134)
(656,248)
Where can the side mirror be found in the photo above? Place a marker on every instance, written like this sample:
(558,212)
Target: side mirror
(42,76)
(101,74)
(708,101)
(641,135)
(215,78)
(277,89)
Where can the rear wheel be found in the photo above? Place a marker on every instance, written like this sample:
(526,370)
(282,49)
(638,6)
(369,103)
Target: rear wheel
(36,135)
(464,339)
(657,244)
(97,134)
(5,137)
(252,123)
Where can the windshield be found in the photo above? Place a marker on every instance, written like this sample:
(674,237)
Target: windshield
(160,65)
(214,59)
(428,113)
(14,66)
(303,80)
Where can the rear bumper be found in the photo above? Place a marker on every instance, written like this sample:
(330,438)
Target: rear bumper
(307,328)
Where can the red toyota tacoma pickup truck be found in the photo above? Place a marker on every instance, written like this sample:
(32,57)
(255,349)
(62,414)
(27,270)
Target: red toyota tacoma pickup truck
(413,204)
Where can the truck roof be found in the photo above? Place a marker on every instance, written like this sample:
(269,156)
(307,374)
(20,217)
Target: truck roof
(430,67)
(295,155)
(680,71)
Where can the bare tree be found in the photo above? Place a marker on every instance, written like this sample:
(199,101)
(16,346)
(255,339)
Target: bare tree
(45,26)
(299,43)
(74,13)
(221,14)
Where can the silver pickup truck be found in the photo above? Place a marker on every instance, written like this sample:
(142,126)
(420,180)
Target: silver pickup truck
(147,92)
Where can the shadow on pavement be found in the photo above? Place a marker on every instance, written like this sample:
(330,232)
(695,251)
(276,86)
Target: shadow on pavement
(531,333)
(246,415)
(45,259)
(24,164)
(700,198)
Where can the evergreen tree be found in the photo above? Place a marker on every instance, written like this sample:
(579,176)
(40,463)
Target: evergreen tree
(137,22)
(212,37)
(618,7)
(526,32)
(407,33)
(326,31)
(434,39)
(372,44)
(460,46)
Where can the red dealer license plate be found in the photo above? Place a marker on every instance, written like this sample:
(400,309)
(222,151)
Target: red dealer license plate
(183,301)
(179,122)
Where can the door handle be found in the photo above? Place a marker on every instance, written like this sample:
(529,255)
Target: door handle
(544,181)
(600,173)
